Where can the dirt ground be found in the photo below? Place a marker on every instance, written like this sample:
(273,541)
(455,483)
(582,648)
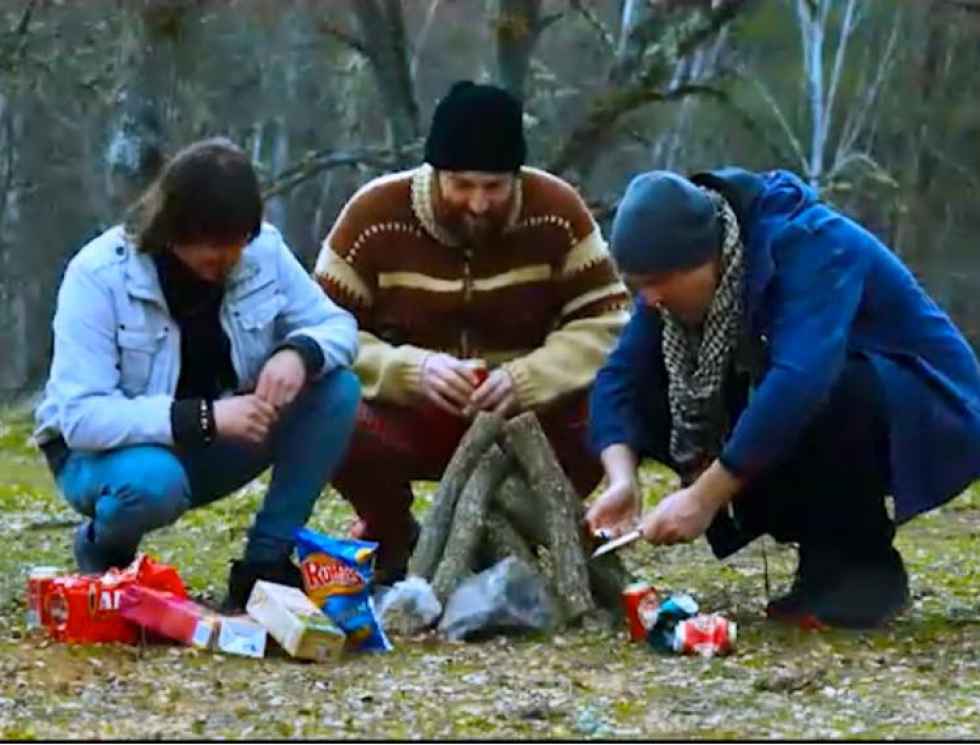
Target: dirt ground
(918,678)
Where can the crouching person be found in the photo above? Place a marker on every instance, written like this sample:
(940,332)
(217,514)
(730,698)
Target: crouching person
(860,386)
(191,352)
(471,260)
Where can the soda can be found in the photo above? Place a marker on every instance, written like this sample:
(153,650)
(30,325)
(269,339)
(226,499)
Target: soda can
(38,584)
(639,598)
(705,634)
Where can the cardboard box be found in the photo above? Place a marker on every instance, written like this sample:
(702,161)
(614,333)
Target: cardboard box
(168,615)
(293,621)
(241,635)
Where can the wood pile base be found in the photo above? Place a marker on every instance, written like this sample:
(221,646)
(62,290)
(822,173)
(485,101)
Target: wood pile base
(505,494)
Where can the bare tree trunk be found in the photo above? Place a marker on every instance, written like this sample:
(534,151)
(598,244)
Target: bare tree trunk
(668,150)
(914,239)
(639,23)
(518,27)
(382,29)
(276,143)
(138,136)
(813,20)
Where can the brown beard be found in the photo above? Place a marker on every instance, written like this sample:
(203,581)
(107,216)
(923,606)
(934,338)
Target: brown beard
(468,228)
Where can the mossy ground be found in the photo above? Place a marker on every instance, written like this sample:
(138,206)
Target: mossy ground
(918,678)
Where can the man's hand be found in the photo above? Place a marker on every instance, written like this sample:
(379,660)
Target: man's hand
(497,394)
(687,513)
(281,379)
(680,517)
(247,418)
(448,382)
(616,511)
(618,507)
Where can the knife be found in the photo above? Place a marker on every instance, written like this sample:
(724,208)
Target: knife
(616,543)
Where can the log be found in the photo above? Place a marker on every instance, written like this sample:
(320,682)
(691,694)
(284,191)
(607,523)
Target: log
(527,442)
(607,578)
(468,522)
(502,539)
(524,510)
(435,530)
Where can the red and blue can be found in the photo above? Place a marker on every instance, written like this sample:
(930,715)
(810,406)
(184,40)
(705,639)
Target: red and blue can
(705,634)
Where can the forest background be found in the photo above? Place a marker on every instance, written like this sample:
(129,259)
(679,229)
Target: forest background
(874,102)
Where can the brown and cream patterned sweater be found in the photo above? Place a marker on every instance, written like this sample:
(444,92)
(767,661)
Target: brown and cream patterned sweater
(546,303)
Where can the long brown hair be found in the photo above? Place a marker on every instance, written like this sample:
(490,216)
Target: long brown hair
(207,193)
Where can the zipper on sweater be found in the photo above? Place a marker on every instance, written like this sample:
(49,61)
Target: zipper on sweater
(464,340)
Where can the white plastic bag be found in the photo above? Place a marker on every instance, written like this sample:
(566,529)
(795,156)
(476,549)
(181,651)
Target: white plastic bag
(408,607)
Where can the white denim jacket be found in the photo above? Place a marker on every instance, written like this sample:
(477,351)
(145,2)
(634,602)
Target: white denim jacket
(117,349)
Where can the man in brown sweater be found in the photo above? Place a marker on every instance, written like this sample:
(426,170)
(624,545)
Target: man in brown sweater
(478,284)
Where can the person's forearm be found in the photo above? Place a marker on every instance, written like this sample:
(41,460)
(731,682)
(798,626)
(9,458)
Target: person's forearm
(716,486)
(620,463)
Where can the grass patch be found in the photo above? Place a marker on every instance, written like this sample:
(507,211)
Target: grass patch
(919,678)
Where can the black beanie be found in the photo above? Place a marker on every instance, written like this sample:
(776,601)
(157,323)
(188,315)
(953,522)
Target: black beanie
(477,128)
(663,223)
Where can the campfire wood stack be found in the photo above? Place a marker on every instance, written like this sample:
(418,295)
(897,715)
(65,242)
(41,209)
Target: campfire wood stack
(505,494)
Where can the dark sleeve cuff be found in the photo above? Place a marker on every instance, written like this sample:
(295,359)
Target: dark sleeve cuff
(725,459)
(185,423)
(308,350)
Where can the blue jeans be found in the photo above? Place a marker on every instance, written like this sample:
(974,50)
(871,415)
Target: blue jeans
(132,490)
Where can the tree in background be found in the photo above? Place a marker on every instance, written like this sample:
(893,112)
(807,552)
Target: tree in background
(839,126)
(327,95)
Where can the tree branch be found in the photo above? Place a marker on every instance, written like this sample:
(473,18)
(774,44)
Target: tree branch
(783,123)
(379,159)
(593,20)
(847,28)
(855,123)
(548,21)
(582,144)
(25,18)
(345,37)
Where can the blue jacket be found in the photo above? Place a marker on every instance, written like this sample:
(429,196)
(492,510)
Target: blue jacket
(819,288)
(117,349)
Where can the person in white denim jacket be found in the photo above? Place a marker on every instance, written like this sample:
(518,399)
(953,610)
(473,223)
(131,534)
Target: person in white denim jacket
(192,351)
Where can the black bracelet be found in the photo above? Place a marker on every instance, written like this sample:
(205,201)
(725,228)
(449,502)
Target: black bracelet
(206,420)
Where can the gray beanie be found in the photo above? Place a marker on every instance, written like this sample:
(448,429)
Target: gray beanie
(664,223)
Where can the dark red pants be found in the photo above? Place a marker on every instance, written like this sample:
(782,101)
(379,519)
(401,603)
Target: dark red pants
(394,445)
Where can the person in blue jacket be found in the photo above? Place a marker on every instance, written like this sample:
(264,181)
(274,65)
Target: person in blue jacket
(191,352)
(793,372)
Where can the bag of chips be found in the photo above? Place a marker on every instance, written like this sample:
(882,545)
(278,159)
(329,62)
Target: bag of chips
(337,576)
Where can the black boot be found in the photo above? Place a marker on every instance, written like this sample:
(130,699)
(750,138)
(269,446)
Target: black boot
(870,590)
(814,570)
(244,574)
(391,563)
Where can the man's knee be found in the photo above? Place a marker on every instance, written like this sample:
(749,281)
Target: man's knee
(156,495)
(338,393)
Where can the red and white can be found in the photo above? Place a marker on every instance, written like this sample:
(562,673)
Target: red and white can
(640,604)
(38,583)
(705,634)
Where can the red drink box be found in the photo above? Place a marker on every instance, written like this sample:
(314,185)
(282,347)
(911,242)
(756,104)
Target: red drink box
(85,608)
(169,615)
